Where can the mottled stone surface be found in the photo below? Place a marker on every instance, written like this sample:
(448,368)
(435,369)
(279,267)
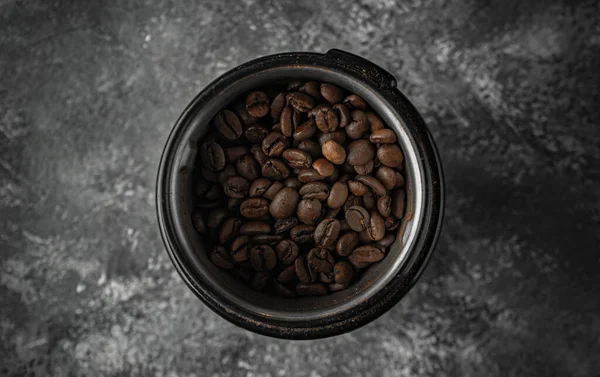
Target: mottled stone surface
(90,89)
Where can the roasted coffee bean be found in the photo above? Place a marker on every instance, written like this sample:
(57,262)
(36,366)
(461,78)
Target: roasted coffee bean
(399,180)
(277,106)
(240,109)
(273,190)
(390,155)
(376,226)
(258,154)
(212,156)
(338,136)
(240,249)
(387,177)
(357,217)
(332,93)
(293,182)
(347,169)
(370,201)
(336,287)
(202,187)
(302,233)
(342,113)
(321,106)
(282,290)
(302,270)
(360,152)
(221,258)
(353,201)
(332,212)
(355,102)
(319,260)
(364,169)
(287,251)
(305,130)
(309,211)
(312,289)
(288,274)
(248,168)
(384,205)
(326,278)
(334,177)
(337,195)
(260,281)
(294,85)
(198,222)
(226,173)
(357,188)
(310,147)
(257,104)
(346,243)
(252,228)
(229,229)
(259,187)
(359,265)
(387,240)
(216,217)
(297,159)
(343,273)
(284,225)
(383,136)
(312,88)
(263,258)
(254,208)
(266,239)
(286,121)
(228,125)
(334,152)
(326,120)
(275,169)
(255,133)
(391,223)
(277,128)
(301,102)
(375,122)
(284,204)
(274,144)
(372,183)
(233,205)
(323,167)
(315,190)
(309,175)
(236,187)
(344,227)
(366,254)
(327,232)
(209,175)
(398,203)
(358,125)
(233,154)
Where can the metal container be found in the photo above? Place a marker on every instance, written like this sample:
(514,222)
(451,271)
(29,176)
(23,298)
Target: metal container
(384,283)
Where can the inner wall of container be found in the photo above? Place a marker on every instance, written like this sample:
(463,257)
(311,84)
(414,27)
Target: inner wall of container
(235,291)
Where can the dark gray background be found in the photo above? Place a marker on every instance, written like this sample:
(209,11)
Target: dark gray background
(89,91)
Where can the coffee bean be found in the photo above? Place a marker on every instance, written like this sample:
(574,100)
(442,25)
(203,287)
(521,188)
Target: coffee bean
(321,106)
(259,187)
(372,183)
(334,152)
(273,190)
(305,130)
(332,93)
(240,249)
(399,180)
(342,113)
(387,177)
(364,169)
(302,233)
(257,104)
(312,88)
(358,125)
(346,243)
(310,147)
(336,287)
(355,102)
(294,85)
(315,190)
(293,182)
(338,136)
(323,167)
(297,159)
(337,195)
(284,204)
(301,102)
(326,278)
(236,187)
(212,156)
(248,168)
(343,273)
(327,232)
(391,223)
(277,106)
(233,205)
(221,258)
(312,289)
(357,188)
(216,217)
(260,281)
(301,270)
(353,201)
(375,122)
(366,254)
(198,222)
(398,203)
(334,177)
(369,200)
(274,144)
(309,175)
(227,172)
(287,251)
(357,217)
(347,169)
(255,133)
(233,154)
(284,225)
(387,240)
(359,265)
(376,226)
(319,260)
(240,109)
(209,175)
(266,239)
(252,228)
(326,120)
(288,274)
(332,212)
(360,152)
(309,211)
(384,135)
(254,208)
(390,155)
(263,257)
(228,124)
(285,122)
(344,227)
(275,169)
(282,290)
(229,229)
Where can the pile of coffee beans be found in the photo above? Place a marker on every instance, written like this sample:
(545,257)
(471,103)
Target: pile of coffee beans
(299,188)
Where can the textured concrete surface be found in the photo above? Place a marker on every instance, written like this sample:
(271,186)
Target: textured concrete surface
(89,91)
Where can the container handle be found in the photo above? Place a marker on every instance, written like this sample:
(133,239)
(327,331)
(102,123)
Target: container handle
(363,67)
